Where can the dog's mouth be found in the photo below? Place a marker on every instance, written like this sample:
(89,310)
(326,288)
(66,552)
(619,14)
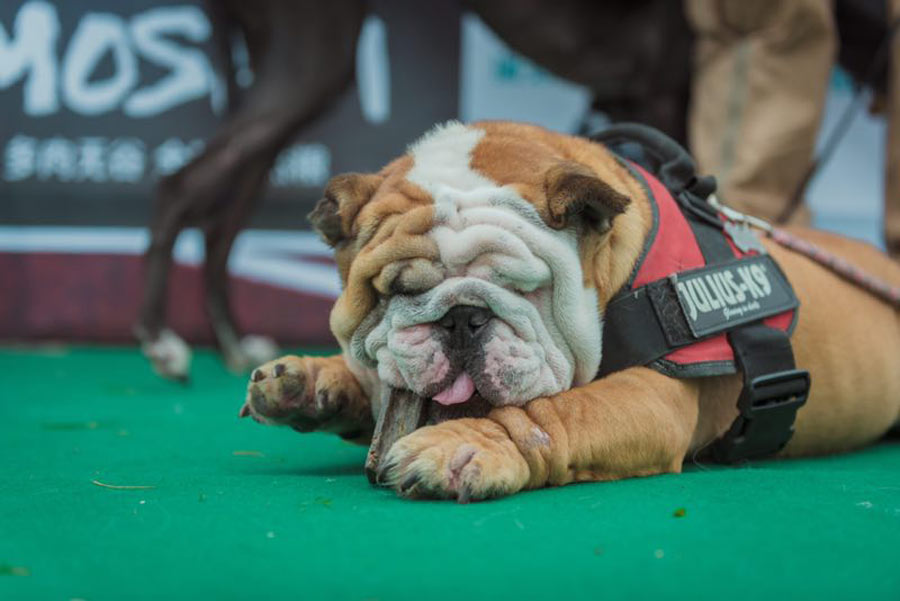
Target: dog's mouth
(492,344)
(460,391)
(474,406)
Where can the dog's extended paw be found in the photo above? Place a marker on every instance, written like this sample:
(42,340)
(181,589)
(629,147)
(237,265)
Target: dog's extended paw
(464,459)
(308,393)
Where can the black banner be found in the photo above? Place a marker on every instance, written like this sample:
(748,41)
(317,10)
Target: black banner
(99,98)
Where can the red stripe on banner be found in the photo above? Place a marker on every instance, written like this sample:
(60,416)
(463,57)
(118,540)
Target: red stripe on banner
(95,298)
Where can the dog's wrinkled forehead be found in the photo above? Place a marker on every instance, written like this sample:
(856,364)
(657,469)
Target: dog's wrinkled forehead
(473,215)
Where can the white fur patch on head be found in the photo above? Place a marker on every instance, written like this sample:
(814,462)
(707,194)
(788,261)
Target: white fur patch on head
(442,156)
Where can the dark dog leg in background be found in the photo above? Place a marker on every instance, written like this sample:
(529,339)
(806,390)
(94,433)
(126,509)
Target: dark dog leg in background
(303,55)
(239,353)
(216,192)
(169,354)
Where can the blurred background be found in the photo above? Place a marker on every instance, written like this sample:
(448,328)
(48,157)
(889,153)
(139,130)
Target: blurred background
(99,99)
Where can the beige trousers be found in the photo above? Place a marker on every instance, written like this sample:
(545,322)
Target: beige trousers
(892,152)
(760,77)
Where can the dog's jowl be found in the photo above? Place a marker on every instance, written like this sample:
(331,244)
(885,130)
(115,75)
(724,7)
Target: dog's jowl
(478,272)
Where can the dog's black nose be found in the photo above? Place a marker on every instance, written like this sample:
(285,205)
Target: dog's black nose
(463,323)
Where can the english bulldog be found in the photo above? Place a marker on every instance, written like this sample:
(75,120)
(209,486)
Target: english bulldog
(476,269)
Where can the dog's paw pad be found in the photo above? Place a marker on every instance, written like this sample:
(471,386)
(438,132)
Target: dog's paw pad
(306,394)
(277,390)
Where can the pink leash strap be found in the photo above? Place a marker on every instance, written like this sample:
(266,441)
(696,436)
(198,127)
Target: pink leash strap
(845,269)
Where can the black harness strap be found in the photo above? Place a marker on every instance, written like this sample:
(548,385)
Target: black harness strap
(773,392)
(641,326)
(645,324)
(773,388)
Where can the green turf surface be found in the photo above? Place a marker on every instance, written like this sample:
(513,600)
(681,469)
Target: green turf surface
(240,511)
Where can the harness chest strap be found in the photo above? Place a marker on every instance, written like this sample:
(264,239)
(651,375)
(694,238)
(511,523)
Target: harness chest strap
(773,388)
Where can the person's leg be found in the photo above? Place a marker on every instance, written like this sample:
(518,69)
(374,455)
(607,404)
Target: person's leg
(760,77)
(892,177)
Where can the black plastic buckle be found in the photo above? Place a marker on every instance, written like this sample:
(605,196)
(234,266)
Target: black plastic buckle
(768,406)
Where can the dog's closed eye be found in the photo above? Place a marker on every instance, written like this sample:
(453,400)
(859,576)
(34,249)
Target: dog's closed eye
(408,277)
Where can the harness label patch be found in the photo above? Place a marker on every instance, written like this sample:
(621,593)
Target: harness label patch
(719,297)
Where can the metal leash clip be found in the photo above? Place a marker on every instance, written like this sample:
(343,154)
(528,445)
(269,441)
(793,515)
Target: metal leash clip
(738,217)
(738,226)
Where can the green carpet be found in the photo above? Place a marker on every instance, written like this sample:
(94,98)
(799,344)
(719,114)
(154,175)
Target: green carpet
(238,511)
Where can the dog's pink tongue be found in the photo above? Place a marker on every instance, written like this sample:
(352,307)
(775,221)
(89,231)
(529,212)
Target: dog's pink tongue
(458,392)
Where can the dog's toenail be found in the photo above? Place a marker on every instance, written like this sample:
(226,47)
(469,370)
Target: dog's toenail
(381,477)
(257,375)
(409,483)
(465,495)
(279,369)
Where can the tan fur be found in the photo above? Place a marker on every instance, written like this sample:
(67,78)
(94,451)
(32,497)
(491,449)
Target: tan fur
(389,228)
(635,422)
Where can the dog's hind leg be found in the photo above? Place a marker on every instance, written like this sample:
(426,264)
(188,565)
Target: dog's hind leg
(240,353)
(168,353)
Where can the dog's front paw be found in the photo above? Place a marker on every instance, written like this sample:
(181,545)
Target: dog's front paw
(463,459)
(308,393)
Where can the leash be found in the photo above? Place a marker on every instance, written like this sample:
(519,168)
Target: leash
(696,194)
(842,267)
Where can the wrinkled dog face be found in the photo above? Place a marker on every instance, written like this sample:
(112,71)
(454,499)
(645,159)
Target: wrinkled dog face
(462,288)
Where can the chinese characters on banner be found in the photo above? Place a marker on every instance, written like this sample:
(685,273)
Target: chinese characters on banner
(128,160)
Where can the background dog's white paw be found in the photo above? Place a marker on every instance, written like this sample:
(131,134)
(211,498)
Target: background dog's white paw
(250,352)
(259,349)
(169,355)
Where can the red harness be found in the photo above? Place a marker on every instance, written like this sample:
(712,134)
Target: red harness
(672,247)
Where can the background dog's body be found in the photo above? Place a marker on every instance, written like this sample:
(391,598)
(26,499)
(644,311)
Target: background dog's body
(302,57)
(634,57)
(388,230)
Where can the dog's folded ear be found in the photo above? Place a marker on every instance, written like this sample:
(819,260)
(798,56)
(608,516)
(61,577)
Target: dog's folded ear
(344,196)
(572,190)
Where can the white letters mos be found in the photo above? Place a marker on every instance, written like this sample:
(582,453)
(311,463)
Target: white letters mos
(98,71)
(59,73)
